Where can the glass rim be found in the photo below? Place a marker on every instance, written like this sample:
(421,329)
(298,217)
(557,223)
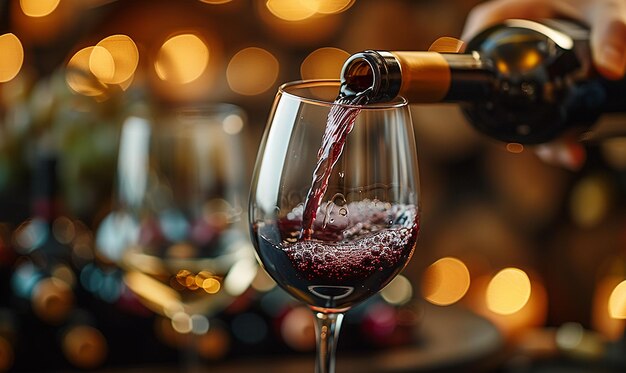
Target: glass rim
(397,102)
(205,109)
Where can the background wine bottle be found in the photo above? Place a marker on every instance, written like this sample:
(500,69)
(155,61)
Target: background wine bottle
(8,337)
(519,81)
(35,279)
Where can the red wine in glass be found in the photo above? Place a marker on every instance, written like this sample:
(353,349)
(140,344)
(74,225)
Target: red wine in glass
(337,268)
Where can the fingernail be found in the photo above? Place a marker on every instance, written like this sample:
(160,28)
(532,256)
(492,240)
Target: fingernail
(612,59)
(568,155)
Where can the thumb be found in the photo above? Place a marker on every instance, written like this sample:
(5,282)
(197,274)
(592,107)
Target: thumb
(566,152)
(608,41)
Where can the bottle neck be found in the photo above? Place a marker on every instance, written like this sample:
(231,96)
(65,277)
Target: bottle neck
(45,188)
(470,78)
(420,77)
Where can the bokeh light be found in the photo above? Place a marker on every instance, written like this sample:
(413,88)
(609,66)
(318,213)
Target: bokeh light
(617,301)
(602,314)
(445,281)
(155,295)
(43,22)
(85,347)
(216,2)
(114,59)
(298,10)
(199,324)
(252,71)
(298,329)
(64,229)
(508,291)
(181,322)
(574,340)
(232,124)
(65,274)
(30,235)
(53,300)
(182,59)
(79,77)
(38,8)
(380,321)
(215,343)
(292,10)
(263,282)
(12,57)
(297,22)
(323,63)
(211,285)
(532,314)
(333,6)
(398,292)
(590,201)
(240,276)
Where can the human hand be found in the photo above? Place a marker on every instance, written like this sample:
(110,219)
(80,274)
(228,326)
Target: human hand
(605,18)
(607,22)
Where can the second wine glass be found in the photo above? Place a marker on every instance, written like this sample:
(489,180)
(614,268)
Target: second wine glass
(334,221)
(180,180)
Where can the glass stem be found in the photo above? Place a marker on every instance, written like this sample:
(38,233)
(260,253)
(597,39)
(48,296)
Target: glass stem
(327,327)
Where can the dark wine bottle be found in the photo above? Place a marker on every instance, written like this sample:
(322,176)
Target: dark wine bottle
(8,337)
(519,81)
(36,278)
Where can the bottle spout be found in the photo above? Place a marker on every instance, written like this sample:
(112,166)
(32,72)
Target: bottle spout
(373,73)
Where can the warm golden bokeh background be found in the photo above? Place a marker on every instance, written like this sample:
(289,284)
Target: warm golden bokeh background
(535,248)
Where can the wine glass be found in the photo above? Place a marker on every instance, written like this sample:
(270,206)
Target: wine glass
(178,222)
(334,204)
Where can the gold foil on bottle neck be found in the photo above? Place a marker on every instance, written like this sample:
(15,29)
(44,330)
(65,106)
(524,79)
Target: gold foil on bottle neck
(425,76)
